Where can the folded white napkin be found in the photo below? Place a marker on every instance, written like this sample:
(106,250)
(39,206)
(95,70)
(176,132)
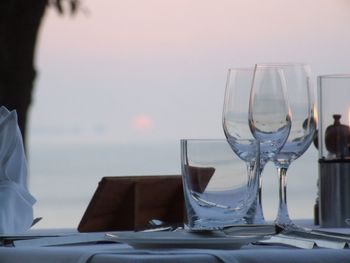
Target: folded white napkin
(16,203)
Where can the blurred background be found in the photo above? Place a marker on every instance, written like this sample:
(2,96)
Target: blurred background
(119,85)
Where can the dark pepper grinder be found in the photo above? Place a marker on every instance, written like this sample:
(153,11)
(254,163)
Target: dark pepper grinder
(337,138)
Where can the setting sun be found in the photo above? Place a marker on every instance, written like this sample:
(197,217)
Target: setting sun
(142,122)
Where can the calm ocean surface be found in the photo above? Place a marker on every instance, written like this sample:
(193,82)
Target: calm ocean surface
(63,177)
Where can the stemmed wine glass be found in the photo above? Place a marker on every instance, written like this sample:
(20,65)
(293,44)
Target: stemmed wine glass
(301,103)
(255,107)
(235,122)
(269,114)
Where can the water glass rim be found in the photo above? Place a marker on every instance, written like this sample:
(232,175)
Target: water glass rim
(334,76)
(215,139)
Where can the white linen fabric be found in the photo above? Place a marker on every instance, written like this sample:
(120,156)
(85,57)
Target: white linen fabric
(16,203)
(121,253)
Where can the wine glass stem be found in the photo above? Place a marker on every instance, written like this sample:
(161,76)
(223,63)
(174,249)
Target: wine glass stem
(260,192)
(259,215)
(283,216)
(255,214)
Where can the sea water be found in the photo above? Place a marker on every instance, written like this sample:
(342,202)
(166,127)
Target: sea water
(63,177)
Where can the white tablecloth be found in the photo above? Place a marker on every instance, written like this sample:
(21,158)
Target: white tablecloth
(121,253)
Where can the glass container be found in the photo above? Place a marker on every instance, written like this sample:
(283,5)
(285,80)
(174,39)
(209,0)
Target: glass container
(334,150)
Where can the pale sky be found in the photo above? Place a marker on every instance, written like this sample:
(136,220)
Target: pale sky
(156,69)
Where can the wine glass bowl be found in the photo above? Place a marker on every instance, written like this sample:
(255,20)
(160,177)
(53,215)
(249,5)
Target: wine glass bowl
(235,112)
(269,114)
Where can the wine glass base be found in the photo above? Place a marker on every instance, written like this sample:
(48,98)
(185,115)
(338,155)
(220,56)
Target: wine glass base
(289,225)
(258,218)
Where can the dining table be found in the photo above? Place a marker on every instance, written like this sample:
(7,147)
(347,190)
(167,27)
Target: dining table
(122,253)
(70,246)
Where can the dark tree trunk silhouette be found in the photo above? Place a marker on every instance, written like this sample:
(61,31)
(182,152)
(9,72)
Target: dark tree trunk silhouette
(19,24)
(20,21)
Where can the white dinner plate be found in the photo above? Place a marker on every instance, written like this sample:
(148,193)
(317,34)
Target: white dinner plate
(180,239)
